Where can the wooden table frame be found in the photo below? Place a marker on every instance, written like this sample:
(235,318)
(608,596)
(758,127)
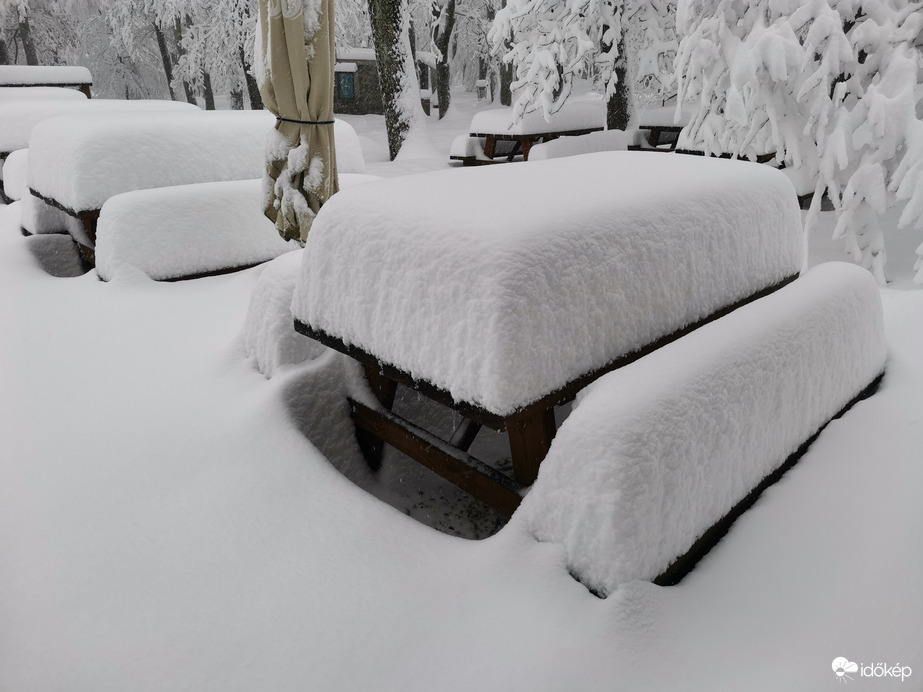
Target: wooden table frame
(530,429)
(522,144)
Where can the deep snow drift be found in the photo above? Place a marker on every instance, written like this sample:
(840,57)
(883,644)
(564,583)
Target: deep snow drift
(165,524)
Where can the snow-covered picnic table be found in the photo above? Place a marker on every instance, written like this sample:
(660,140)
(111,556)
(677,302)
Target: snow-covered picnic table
(663,124)
(18,117)
(46,76)
(77,162)
(503,315)
(497,134)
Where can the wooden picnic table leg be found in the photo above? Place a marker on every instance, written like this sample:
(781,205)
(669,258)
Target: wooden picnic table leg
(490,146)
(526,144)
(530,440)
(384,389)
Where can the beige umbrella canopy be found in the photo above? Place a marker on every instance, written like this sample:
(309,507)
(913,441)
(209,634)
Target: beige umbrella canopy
(295,52)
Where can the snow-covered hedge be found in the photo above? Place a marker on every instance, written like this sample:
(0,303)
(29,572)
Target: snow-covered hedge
(18,118)
(39,93)
(503,283)
(656,452)
(189,230)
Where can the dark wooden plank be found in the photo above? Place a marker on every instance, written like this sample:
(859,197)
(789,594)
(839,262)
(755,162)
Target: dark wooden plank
(530,440)
(464,435)
(468,473)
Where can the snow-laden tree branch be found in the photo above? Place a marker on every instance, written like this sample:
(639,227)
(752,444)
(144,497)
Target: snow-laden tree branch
(830,86)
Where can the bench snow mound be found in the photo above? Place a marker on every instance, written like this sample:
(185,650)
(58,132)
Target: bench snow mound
(501,284)
(186,231)
(604,140)
(657,452)
(268,335)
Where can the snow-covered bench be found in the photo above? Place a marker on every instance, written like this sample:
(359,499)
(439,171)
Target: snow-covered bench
(189,231)
(18,117)
(503,290)
(46,76)
(494,134)
(657,459)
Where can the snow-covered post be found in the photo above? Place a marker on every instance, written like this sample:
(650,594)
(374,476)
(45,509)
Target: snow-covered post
(397,75)
(829,86)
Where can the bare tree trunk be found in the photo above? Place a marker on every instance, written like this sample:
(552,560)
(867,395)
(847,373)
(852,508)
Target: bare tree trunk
(506,73)
(165,59)
(253,89)
(4,54)
(180,52)
(207,91)
(619,105)
(28,45)
(442,36)
(400,92)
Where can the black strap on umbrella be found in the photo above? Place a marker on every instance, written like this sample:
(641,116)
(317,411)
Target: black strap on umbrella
(305,122)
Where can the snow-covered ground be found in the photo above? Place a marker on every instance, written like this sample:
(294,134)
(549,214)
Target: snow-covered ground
(166,524)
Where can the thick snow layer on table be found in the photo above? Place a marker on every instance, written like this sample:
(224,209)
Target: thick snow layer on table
(574,115)
(656,452)
(187,230)
(14,174)
(44,74)
(18,118)
(605,140)
(268,334)
(40,93)
(503,283)
(83,160)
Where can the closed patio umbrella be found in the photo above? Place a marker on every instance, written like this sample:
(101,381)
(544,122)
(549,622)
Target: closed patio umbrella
(296,59)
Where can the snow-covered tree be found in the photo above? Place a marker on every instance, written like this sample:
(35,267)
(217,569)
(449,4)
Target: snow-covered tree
(443,25)
(650,33)
(397,75)
(556,40)
(831,86)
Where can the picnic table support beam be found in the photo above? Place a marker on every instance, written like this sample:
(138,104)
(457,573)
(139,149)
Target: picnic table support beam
(470,474)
